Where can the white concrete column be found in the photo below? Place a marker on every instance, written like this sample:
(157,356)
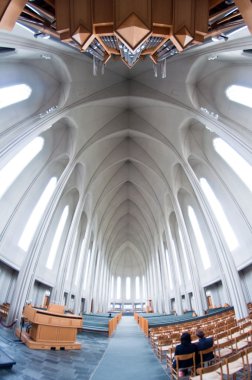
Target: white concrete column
(27,272)
(159,293)
(174,271)
(199,296)
(73,257)
(165,277)
(58,290)
(229,273)
(181,262)
(100,273)
(79,285)
(91,277)
(97,278)
(105,291)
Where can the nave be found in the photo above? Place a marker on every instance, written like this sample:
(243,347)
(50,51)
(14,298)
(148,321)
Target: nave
(129,356)
(126,355)
(129,353)
(122,190)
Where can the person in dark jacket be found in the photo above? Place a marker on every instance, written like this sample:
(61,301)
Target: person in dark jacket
(186,347)
(204,343)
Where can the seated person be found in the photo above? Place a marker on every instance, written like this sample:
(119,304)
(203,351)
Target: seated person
(186,347)
(204,343)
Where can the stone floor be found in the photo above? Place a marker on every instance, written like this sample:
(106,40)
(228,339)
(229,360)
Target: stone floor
(52,365)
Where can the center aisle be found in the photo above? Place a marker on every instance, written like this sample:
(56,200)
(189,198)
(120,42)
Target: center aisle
(129,356)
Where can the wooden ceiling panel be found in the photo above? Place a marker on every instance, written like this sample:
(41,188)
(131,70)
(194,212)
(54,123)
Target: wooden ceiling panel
(10,10)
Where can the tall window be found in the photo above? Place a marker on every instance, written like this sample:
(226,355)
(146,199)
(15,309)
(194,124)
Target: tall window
(118,287)
(16,165)
(57,237)
(36,215)
(184,254)
(240,94)
(199,238)
(128,288)
(218,211)
(240,166)
(137,287)
(14,94)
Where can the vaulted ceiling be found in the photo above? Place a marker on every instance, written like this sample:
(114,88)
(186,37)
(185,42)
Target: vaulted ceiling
(127,132)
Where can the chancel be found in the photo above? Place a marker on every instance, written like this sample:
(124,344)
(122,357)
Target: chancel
(125,188)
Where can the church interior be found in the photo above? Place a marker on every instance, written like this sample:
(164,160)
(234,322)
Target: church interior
(125,187)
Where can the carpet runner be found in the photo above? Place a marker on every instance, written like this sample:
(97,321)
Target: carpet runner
(129,356)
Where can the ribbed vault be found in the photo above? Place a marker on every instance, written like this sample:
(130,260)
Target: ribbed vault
(128,147)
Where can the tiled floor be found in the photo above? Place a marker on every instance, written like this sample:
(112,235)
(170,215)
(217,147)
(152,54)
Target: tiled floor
(52,365)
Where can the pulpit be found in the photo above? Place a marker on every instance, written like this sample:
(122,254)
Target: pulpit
(50,329)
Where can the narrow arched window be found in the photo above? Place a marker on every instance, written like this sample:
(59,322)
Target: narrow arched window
(17,164)
(240,94)
(118,287)
(237,163)
(137,287)
(199,238)
(14,94)
(128,288)
(57,238)
(220,215)
(36,215)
